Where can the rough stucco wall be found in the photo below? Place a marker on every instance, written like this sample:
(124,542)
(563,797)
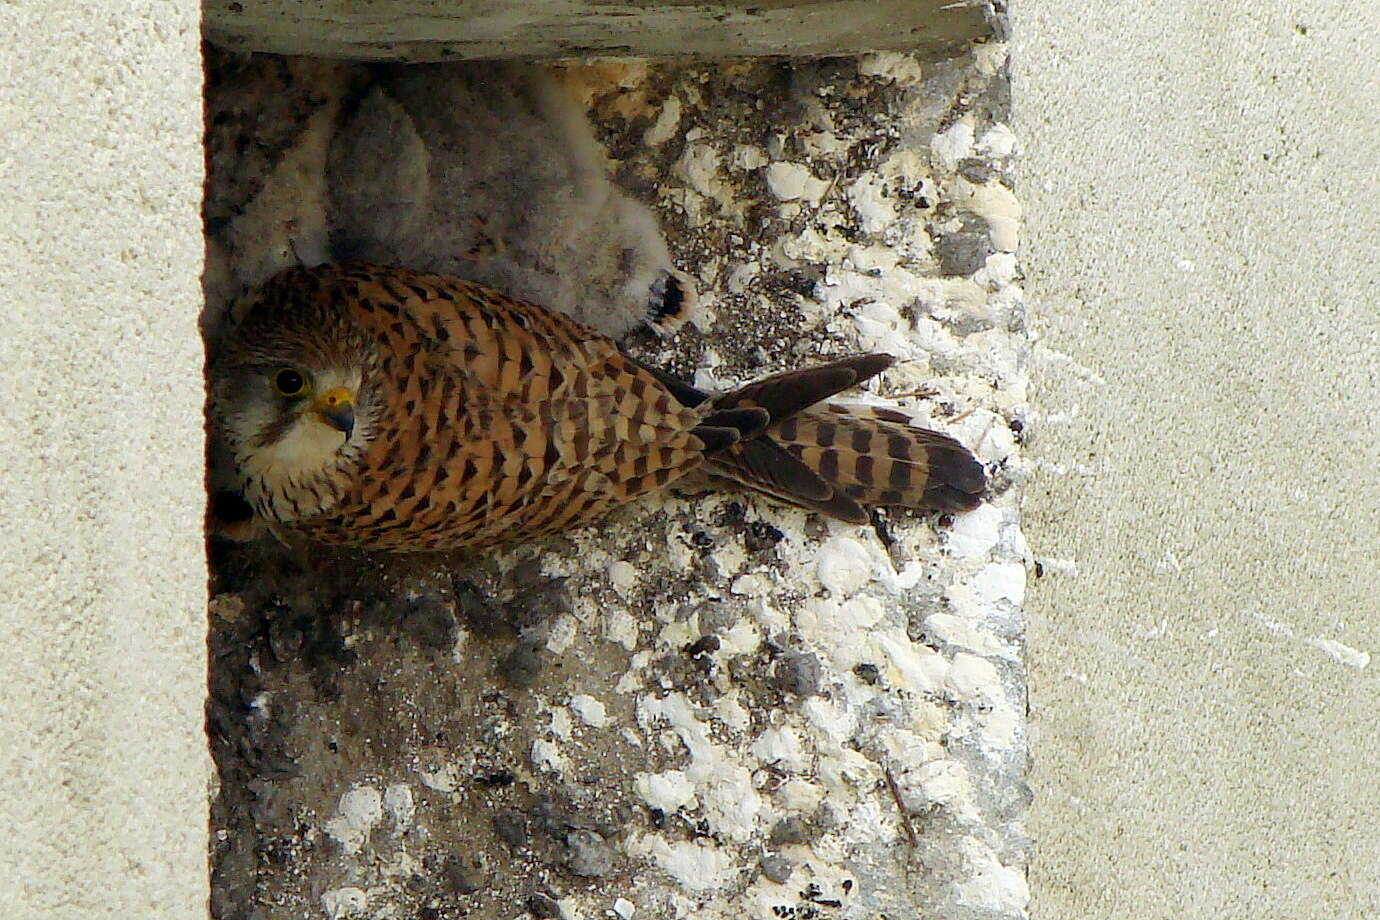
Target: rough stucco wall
(103,765)
(1201,193)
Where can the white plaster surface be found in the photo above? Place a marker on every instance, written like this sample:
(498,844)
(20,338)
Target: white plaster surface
(103,765)
(1200,188)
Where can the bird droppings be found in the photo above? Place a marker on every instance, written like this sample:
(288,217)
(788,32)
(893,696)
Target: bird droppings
(844,565)
(1000,582)
(994,888)
(343,903)
(400,806)
(792,181)
(697,865)
(666,792)
(708,706)
(954,144)
(360,810)
(592,712)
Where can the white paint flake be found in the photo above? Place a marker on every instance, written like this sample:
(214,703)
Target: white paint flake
(1053,566)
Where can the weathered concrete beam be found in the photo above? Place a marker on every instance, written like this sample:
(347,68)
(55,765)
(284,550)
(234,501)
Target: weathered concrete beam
(426,30)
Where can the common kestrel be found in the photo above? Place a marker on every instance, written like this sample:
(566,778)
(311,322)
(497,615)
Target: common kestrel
(394,410)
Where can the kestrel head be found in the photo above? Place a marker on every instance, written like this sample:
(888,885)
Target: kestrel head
(293,400)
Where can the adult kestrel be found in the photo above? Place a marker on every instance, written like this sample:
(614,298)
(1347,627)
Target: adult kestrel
(394,410)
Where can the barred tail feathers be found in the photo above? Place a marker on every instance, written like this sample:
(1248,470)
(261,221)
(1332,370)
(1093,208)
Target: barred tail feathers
(875,456)
(835,459)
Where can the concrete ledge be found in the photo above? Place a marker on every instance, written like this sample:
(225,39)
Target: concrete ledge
(416,30)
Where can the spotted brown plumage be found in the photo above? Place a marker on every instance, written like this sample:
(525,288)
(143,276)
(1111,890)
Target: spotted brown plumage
(395,410)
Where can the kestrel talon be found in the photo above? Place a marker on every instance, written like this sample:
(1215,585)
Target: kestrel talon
(395,410)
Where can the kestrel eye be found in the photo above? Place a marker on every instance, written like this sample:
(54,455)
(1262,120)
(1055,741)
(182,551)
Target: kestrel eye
(288,382)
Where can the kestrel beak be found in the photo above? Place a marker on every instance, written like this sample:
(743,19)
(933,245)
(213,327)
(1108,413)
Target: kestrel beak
(336,407)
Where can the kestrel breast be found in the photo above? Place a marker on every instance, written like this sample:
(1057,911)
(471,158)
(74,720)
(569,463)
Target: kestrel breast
(498,419)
